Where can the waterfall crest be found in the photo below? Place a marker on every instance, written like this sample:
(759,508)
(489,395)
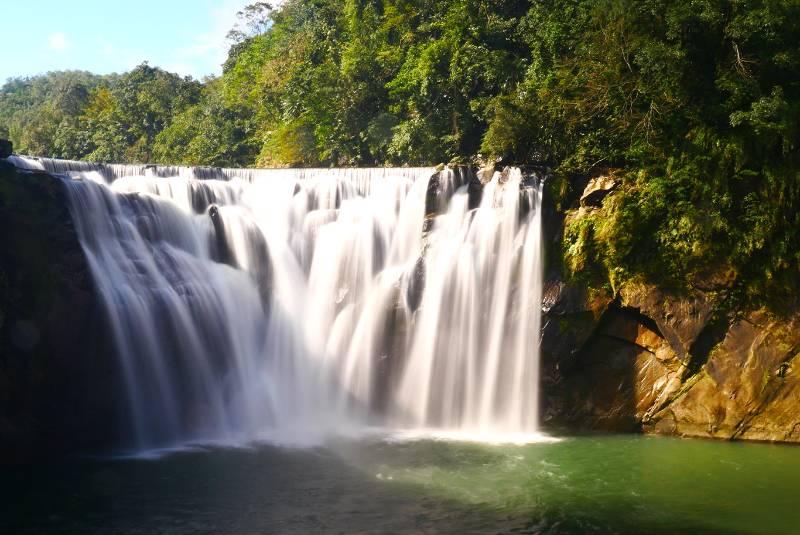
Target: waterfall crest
(248,303)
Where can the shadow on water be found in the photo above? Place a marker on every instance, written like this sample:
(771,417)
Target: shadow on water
(576,486)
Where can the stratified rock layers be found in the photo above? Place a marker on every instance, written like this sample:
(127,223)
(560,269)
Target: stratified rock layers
(667,362)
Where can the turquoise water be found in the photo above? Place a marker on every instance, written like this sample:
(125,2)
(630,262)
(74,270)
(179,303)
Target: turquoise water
(595,484)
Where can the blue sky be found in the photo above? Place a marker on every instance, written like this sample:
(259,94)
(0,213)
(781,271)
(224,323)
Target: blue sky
(103,36)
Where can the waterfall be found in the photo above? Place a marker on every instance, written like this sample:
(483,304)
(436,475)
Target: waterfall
(473,359)
(250,303)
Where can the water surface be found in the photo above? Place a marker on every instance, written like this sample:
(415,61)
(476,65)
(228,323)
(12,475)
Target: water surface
(596,484)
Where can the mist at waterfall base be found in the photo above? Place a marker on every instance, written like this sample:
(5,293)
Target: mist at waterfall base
(293,305)
(258,309)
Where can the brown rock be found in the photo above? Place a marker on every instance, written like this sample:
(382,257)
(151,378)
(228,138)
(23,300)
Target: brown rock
(680,319)
(614,386)
(748,389)
(598,189)
(625,372)
(486,173)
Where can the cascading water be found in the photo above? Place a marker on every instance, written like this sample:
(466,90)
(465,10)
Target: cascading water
(292,303)
(473,358)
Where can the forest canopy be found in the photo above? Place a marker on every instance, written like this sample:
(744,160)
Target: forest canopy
(696,106)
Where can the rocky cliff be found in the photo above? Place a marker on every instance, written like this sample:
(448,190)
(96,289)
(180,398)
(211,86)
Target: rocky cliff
(58,382)
(634,357)
(644,357)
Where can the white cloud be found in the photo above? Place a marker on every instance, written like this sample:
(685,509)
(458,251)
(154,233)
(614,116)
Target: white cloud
(58,42)
(209,50)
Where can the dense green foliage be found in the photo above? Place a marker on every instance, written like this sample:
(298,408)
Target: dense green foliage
(695,104)
(699,105)
(77,115)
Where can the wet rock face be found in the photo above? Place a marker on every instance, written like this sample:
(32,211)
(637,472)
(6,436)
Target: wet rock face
(57,373)
(474,191)
(6,148)
(259,250)
(415,285)
(651,359)
(451,179)
(622,373)
(748,389)
(570,317)
(680,319)
(666,363)
(220,244)
(432,205)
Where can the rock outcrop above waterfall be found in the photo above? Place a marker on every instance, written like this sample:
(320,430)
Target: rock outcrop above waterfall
(646,357)
(597,189)
(56,380)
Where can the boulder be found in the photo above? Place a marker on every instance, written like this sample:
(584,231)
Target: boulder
(486,173)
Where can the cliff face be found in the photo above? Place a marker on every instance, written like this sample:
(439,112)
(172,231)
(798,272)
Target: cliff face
(636,358)
(57,378)
(643,357)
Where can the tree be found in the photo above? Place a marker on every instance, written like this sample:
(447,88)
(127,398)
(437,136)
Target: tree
(254,20)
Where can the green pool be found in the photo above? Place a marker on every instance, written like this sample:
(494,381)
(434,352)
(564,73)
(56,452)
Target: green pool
(594,484)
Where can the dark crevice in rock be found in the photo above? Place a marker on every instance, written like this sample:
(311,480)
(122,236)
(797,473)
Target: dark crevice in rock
(624,341)
(711,336)
(474,190)
(636,314)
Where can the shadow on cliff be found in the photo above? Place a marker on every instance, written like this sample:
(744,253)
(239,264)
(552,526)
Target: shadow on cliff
(592,385)
(58,383)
